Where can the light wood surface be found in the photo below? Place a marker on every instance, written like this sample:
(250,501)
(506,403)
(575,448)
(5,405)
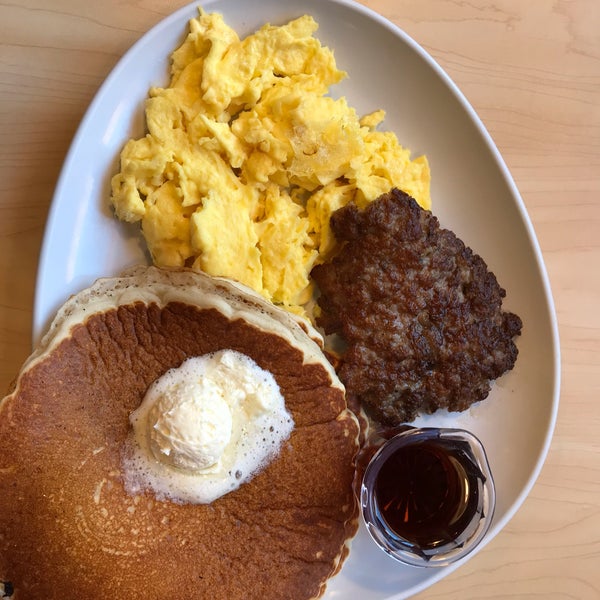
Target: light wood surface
(532,72)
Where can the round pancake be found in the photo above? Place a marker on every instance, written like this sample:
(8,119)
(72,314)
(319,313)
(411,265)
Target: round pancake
(69,530)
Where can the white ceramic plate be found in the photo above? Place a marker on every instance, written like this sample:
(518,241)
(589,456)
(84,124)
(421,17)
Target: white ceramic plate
(472,192)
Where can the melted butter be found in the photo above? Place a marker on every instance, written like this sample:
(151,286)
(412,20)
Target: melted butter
(205,428)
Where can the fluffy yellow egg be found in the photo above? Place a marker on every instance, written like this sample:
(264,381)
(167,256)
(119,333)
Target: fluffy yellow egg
(246,156)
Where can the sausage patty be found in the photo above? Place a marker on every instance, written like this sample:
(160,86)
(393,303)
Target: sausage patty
(419,312)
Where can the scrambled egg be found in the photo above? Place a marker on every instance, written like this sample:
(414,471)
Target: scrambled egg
(246,156)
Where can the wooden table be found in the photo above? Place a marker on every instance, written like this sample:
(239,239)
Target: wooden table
(531,71)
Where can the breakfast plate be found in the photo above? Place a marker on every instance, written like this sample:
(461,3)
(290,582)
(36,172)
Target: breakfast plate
(472,193)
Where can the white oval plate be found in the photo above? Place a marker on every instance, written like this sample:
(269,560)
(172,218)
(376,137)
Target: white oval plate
(472,193)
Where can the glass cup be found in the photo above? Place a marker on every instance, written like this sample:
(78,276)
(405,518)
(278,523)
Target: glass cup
(427,495)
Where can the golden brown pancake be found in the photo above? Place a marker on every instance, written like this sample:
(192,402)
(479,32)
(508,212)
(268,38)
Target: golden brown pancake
(69,530)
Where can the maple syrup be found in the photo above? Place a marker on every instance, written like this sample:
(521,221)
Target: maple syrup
(427,494)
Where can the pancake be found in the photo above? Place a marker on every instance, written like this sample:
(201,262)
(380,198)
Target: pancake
(68,528)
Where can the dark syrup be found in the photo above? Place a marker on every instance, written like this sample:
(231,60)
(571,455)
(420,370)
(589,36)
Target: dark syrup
(428,492)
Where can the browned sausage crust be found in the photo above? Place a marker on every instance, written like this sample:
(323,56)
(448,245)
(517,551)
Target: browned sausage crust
(419,311)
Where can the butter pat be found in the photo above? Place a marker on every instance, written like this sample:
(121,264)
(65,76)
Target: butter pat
(189,424)
(205,428)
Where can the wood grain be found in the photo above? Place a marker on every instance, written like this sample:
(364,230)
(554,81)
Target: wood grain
(532,72)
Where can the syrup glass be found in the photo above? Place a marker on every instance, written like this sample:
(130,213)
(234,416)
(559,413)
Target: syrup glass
(472,457)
